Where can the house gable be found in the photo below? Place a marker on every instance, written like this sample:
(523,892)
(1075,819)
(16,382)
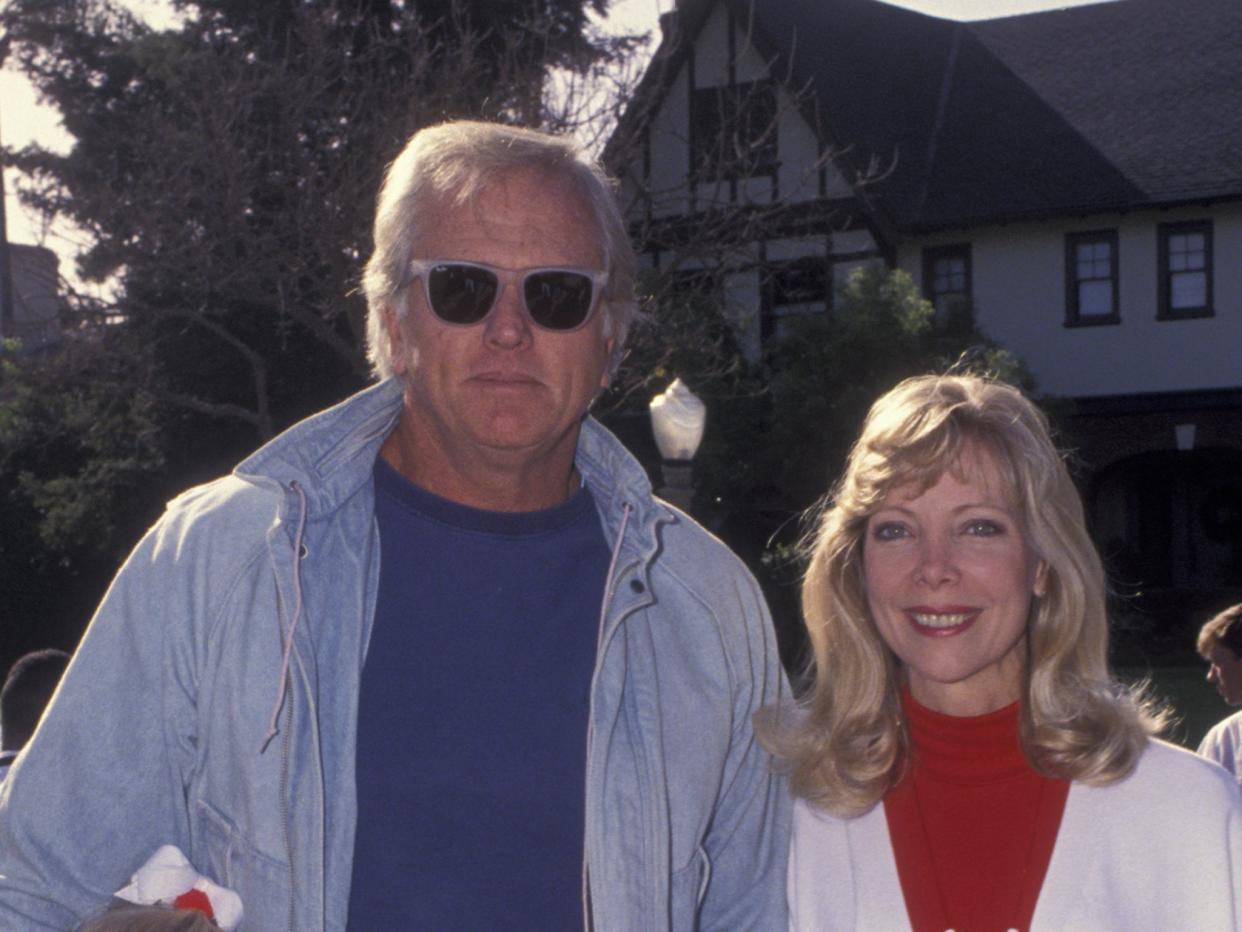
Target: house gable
(777,228)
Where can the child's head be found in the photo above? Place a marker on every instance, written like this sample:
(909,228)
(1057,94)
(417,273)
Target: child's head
(1224,628)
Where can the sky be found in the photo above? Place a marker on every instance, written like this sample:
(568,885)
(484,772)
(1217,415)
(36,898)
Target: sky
(24,120)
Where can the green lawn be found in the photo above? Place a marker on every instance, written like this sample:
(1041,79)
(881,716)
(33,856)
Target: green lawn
(1195,702)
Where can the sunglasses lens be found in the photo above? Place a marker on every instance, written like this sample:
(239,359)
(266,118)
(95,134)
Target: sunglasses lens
(559,300)
(461,294)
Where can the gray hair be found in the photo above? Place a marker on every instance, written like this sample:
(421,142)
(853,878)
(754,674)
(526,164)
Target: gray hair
(458,160)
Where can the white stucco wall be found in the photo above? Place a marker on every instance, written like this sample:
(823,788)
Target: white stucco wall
(1019,291)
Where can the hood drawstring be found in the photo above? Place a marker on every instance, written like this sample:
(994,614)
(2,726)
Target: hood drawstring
(626,509)
(287,634)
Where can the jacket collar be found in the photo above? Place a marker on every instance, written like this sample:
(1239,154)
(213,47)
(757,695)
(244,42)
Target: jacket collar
(616,479)
(331,455)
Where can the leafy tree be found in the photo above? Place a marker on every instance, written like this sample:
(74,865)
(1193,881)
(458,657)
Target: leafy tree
(81,472)
(225,172)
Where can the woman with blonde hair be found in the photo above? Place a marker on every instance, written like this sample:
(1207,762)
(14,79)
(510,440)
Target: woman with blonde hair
(965,760)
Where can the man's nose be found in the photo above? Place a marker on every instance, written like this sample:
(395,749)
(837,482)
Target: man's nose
(507,327)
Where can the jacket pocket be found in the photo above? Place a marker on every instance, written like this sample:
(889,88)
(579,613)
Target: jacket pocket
(689,887)
(262,882)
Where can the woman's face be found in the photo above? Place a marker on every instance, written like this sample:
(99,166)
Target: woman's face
(949,578)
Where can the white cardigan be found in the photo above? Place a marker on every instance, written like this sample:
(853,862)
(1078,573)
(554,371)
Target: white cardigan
(1159,851)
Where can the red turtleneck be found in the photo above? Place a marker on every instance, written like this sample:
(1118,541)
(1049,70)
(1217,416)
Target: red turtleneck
(971,822)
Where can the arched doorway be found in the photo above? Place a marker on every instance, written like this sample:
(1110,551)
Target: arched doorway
(1169,525)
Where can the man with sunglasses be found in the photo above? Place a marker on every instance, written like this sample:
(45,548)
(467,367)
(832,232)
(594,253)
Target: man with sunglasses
(435,658)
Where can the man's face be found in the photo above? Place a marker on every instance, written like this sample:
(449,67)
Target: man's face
(503,387)
(1225,673)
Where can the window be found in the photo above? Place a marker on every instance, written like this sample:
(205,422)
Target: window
(697,287)
(946,278)
(1091,279)
(797,286)
(733,130)
(1185,270)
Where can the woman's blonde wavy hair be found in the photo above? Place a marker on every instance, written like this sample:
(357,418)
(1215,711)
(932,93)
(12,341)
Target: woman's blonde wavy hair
(847,745)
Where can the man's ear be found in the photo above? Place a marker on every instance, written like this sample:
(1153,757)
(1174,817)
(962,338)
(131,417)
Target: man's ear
(397,350)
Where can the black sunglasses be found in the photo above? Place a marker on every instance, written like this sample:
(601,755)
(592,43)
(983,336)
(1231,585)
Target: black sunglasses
(464,293)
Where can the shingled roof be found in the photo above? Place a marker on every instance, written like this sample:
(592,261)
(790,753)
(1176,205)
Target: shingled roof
(1111,106)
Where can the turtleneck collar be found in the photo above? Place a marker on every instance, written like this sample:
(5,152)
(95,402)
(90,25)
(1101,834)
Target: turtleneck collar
(965,749)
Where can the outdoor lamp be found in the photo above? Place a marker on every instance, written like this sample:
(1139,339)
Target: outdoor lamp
(677,420)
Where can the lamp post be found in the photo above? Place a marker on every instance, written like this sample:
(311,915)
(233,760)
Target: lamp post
(677,420)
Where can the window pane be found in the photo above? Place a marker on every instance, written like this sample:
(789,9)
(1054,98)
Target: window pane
(1094,260)
(946,278)
(1094,266)
(1187,289)
(945,304)
(802,281)
(1186,251)
(950,276)
(1095,298)
(733,128)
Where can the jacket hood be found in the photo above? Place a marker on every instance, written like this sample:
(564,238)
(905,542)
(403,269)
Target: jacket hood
(331,455)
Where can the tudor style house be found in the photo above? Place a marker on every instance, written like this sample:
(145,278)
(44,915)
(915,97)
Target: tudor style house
(1076,175)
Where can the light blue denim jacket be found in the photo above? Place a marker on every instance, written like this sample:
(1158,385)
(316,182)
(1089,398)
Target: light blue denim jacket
(158,734)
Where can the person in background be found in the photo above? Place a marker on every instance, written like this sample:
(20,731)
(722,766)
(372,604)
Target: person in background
(965,759)
(1220,644)
(27,690)
(435,658)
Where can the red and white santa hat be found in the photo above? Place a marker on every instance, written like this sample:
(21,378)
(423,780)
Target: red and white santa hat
(168,878)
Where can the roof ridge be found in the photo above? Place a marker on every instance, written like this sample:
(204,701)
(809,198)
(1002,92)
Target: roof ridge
(942,105)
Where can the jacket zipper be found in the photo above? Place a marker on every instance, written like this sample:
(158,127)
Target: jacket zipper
(588,921)
(284,694)
(284,796)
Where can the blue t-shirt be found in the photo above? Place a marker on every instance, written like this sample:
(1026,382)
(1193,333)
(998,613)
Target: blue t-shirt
(472,719)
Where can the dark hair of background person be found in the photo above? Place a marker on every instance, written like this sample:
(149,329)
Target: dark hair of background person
(27,690)
(1225,629)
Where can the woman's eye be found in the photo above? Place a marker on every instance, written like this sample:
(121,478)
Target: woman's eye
(888,530)
(985,527)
